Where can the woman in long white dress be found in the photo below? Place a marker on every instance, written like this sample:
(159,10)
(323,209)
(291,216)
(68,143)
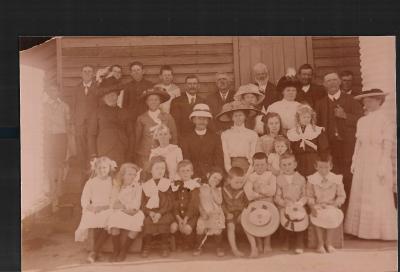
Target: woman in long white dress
(371,213)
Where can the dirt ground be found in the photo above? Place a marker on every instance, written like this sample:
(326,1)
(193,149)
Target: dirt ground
(58,252)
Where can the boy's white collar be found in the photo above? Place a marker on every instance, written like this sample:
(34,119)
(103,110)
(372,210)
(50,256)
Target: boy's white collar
(316,178)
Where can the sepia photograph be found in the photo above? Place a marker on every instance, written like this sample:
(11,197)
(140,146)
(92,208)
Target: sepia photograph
(191,153)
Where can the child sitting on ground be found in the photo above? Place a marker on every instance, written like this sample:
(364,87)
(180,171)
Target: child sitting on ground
(260,185)
(233,203)
(212,220)
(186,204)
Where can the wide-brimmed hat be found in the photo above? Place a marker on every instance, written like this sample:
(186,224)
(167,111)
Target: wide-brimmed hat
(200,110)
(328,217)
(370,93)
(294,218)
(249,89)
(110,85)
(227,108)
(156,90)
(260,218)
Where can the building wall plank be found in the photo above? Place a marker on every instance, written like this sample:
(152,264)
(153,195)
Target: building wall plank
(203,56)
(336,54)
(143,40)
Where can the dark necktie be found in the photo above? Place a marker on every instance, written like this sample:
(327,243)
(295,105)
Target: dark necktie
(192,100)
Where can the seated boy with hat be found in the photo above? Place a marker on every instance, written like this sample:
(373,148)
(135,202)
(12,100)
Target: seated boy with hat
(325,192)
(260,185)
(290,198)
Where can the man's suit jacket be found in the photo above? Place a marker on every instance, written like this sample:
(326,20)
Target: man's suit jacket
(203,151)
(271,94)
(180,110)
(314,93)
(345,128)
(83,106)
(354,92)
(132,93)
(215,102)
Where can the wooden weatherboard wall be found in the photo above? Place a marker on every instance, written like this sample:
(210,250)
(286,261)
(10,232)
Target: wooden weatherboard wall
(203,56)
(337,54)
(278,53)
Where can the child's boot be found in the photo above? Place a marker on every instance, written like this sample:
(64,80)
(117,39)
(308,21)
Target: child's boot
(116,247)
(147,238)
(197,247)
(218,243)
(127,242)
(165,245)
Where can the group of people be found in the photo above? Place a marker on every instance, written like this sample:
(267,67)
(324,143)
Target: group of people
(293,160)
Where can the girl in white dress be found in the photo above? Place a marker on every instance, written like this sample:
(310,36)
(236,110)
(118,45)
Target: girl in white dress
(172,153)
(126,219)
(371,213)
(95,201)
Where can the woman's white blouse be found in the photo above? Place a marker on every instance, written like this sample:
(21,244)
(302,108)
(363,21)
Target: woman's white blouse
(238,142)
(287,112)
(97,192)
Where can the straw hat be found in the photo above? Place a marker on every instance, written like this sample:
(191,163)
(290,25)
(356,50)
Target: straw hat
(249,89)
(227,108)
(294,218)
(328,218)
(157,90)
(260,218)
(201,110)
(370,93)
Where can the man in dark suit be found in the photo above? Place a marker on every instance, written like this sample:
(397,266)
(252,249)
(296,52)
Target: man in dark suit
(84,103)
(182,106)
(217,99)
(267,88)
(338,113)
(134,89)
(347,83)
(308,92)
(202,146)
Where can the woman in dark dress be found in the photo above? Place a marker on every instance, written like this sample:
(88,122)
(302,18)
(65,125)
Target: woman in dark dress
(110,127)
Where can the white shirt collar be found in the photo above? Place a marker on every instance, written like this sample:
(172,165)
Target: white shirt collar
(190,96)
(289,178)
(224,95)
(336,96)
(305,88)
(200,132)
(87,85)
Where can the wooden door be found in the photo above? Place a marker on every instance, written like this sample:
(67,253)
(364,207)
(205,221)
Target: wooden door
(277,52)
